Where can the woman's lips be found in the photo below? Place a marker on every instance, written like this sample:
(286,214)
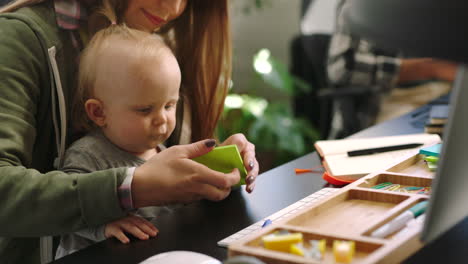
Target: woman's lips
(154,19)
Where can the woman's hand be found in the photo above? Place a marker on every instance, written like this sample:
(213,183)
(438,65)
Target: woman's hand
(171,177)
(131,224)
(247,151)
(416,69)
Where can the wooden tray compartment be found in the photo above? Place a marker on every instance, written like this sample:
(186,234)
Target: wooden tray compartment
(388,219)
(353,213)
(403,180)
(414,165)
(345,213)
(363,248)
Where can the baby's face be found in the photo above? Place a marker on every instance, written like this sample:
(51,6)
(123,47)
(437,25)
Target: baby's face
(140,107)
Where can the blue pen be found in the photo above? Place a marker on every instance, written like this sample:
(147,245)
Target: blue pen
(266,223)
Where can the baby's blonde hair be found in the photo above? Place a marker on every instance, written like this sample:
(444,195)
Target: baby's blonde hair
(142,45)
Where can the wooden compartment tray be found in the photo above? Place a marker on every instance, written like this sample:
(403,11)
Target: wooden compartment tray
(413,165)
(345,213)
(402,180)
(363,247)
(352,214)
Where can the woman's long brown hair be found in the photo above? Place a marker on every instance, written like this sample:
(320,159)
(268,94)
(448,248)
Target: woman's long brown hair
(203,47)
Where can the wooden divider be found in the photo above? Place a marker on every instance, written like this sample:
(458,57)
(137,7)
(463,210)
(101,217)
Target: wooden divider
(352,214)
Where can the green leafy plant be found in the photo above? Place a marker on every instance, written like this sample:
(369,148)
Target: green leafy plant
(278,135)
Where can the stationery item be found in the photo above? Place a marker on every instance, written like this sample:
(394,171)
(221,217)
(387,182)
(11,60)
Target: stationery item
(281,242)
(431,162)
(371,151)
(299,171)
(414,223)
(411,188)
(400,221)
(298,249)
(343,251)
(317,249)
(381,185)
(317,169)
(432,166)
(433,150)
(438,117)
(388,186)
(439,114)
(266,223)
(426,190)
(340,166)
(224,159)
(434,129)
(392,187)
(433,159)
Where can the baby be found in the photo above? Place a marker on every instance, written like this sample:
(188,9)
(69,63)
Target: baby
(126,101)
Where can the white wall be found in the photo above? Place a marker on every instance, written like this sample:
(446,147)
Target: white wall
(273,27)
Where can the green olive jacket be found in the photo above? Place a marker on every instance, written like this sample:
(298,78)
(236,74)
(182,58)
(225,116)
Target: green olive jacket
(37,74)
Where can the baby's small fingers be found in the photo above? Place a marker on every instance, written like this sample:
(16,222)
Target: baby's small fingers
(135,231)
(145,225)
(148,228)
(139,233)
(121,237)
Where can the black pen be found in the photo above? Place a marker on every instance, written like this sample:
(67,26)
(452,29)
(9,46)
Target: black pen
(370,151)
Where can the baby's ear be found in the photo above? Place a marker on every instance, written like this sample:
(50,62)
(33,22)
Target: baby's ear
(95,111)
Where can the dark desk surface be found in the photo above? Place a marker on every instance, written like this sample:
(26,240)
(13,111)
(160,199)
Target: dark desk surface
(198,227)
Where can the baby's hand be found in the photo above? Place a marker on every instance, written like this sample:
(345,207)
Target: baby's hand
(132,224)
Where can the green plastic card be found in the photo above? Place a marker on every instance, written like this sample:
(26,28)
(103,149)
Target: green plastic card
(224,159)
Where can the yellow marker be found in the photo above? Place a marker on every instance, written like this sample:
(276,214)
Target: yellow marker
(392,187)
(343,251)
(281,242)
(297,249)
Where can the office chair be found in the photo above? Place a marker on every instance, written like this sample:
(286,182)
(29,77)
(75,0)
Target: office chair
(311,68)
(324,101)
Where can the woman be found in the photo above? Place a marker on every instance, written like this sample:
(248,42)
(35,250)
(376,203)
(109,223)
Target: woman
(40,42)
